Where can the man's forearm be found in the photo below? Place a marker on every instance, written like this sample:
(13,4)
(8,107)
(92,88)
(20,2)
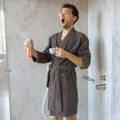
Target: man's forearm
(76,60)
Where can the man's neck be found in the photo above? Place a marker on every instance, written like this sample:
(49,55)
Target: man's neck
(65,31)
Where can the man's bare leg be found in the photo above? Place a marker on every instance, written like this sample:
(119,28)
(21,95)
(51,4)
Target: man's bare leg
(57,118)
(73,117)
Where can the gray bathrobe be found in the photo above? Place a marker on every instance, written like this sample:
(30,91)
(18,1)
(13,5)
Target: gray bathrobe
(61,79)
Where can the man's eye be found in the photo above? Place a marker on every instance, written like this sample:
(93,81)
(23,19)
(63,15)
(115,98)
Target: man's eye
(65,14)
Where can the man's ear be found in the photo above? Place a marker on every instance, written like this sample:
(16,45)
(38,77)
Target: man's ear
(74,18)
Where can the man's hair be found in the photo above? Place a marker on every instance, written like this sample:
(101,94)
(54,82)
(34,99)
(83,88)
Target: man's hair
(74,9)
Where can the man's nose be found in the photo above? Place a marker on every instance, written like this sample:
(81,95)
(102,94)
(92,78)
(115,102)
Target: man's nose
(61,14)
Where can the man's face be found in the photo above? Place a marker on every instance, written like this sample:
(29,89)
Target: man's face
(66,18)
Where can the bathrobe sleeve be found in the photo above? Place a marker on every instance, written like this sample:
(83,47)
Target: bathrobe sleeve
(44,56)
(84,52)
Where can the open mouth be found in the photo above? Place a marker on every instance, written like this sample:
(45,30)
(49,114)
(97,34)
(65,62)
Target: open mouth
(62,20)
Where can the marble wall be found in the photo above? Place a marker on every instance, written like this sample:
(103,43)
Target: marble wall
(100,32)
(37,19)
(116,37)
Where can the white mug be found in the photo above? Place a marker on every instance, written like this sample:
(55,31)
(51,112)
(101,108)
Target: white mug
(52,50)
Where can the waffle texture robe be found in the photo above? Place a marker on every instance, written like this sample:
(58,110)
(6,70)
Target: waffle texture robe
(61,78)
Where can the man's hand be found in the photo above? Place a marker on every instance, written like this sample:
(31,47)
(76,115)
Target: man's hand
(30,43)
(60,52)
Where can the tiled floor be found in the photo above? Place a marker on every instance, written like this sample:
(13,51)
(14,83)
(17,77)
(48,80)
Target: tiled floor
(4,93)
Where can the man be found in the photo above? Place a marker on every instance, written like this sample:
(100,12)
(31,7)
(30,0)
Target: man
(71,50)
